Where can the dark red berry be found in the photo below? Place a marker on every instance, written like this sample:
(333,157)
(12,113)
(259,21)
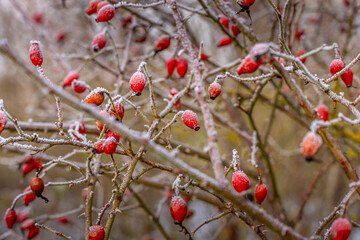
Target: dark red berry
(35,53)
(37,186)
(248,66)
(96,232)
(240,181)
(171,64)
(347,77)
(70,77)
(99,146)
(99,41)
(190,119)
(106,13)
(3,121)
(214,90)
(79,86)
(109,146)
(29,197)
(173,92)
(10,217)
(92,6)
(323,112)
(162,43)
(340,229)
(137,82)
(224,41)
(181,66)
(235,30)
(224,21)
(178,209)
(260,193)
(310,145)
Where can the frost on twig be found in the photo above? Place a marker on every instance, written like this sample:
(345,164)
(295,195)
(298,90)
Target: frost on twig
(253,150)
(235,160)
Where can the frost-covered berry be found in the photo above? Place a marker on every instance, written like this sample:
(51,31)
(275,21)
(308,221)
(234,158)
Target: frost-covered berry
(70,77)
(260,193)
(247,66)
(10,217)
(162,43)
(95,97)
(336,66)
(323,112)
(98,42)
(119,108)
(109,146)
(190,119)
(96,232)
(3,121)
(109,133)
(35,53)
(171,64)
(260,53)
(106,13)
(240,181)
(181,66)
(214,90)
(173,92)
(310,145)
(98,146)
(340,229)
(224,41)
(178,209)
(137,83)
(79,86)
(92,6)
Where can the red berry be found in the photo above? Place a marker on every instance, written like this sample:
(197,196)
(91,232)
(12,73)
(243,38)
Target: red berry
(95,97)
(98,42)
(27,167)
(224,41)
(224,21)
(310,145)
(100,5)
(106,13)
(35,53)
(260,53)
(126,20)
(235,30)
(182,66)
(173,92)
(22,216)
(99,124)
(162,43)
(109,145)
(79,86)
(323,112)
(63,220)
(30,197)
(300,53)
(81,128)
(70,77)
(260,193)
(99,146)
(214,90)
(347,77)
(190,119)
(38,17)
(204,57)
(119,107)
(240,181)
(171,64)
(33,232)
(347,2)
(340,229)
(60,36)
(3,121)
(109,133)
(137,83)
(178,209)
(10,217)
(247,2)
(37,186)
(247,66)
(299,33)
(336,66)
(96,232)
(91,9)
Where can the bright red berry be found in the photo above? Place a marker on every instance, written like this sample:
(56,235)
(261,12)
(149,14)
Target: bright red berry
(224,21)
(235,30)
(109,145)
(33,232)
(99,146)
(70,77)
(323,112)
(10,217)
(173,92)
(137,83)
(63,220)
(340,229)
(310,145)
(248,66)
(299,33)
(260,53)
(247,2)
(29,197)
(119,107)
(79,86)
(224,41)
(109,133)
(260,193)
(214,90)
(178,209)
(106,13)
(37,186)
(190,119)
(336,66)
(181,66)
(100,5)
(162,43)
(35,53)
(95,97)
(3,121)
(96,232)
(300,53)
(171,64)
(92,6)
(240,181)
(99,41)
(28,167)
(347,77)
(204,57)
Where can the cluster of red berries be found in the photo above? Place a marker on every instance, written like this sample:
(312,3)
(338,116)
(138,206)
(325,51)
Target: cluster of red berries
(225,39)
(30,163)
(336,66)
(181,66)
(241,183)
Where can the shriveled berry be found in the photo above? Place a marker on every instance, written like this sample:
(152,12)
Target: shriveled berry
(79,86)
(99,41)
(37,186)
(260,53)
(10,217)
(240,181)
(235,31)
(224,21)
(171,64)
(214,90)
(181,66)
(99,146)
(92,6)
(96,232)
(300,53)
(310,145)
(173,92)
(95,97)
(260,193)
(106,13)
(119,107)
(109,146)
(247,66)
(70,77)
(3,121)
(347,77)
(190,119)
(340,229)
(109,133)
(35,53)
(29,197)
(178,209)
(224,41)
(137,83)
(336,66)
(323,112)
(162,43)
